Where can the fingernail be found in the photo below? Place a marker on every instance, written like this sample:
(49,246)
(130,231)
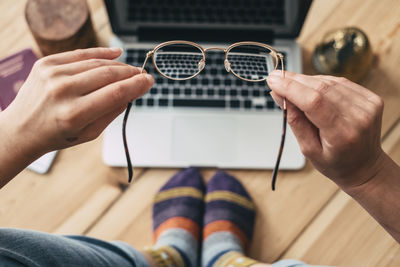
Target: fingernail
(274,79)
(115,49)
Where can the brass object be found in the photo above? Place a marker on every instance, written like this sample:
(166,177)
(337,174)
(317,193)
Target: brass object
(344,52)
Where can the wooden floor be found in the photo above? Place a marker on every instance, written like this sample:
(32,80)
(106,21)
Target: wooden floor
(307,218)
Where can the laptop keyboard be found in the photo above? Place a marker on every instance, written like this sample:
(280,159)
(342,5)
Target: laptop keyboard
(258,12)
(212,88)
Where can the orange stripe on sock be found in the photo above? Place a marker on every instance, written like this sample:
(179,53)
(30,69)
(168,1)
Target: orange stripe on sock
(178,222)
(224,226)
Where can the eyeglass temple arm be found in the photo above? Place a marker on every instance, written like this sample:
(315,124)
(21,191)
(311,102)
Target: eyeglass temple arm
(126,115)
(128,158)
(148,55)
(278,160)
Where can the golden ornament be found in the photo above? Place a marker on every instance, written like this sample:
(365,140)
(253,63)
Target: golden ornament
(344,52)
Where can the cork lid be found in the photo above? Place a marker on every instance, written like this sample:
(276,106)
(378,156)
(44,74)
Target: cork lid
(55,19)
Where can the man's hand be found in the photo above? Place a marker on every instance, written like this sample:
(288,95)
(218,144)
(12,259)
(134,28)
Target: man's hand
(336,122)
(68,99)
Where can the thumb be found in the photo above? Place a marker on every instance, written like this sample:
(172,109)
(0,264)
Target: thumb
(306,133)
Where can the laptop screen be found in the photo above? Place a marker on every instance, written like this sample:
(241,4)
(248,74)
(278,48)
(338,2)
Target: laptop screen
(280,18)
(217,12)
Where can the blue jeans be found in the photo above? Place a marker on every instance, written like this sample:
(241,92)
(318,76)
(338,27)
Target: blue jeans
(32,248)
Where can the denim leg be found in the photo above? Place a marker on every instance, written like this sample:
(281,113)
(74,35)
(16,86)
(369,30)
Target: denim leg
(32,248)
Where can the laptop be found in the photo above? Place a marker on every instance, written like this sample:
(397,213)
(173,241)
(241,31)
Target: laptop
(214,119)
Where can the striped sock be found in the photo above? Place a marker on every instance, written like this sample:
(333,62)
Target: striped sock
(177,217)
(228,222)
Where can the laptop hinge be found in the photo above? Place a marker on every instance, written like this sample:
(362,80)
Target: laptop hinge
(148,33)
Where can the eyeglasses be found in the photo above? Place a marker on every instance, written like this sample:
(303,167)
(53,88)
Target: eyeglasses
(184,60)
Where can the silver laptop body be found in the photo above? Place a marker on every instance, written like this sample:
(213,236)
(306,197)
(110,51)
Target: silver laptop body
(215,119)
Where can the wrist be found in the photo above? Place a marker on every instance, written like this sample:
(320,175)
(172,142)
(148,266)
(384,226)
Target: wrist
(371,177)
(16,151)
(379,195)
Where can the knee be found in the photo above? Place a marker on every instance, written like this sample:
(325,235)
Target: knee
(25,247)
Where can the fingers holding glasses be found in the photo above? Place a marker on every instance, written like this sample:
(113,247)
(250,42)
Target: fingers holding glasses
(69,92)
(305,132)
(336,122)
(353,104)
(82,54)
(307,99)
(322,86)
(93,79)
(118,94)
(85,65)
(350,85)
(345,100)
(326,102)
(331,84)
(94,129)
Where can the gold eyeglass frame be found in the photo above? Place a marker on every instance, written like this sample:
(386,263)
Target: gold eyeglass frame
(276,55)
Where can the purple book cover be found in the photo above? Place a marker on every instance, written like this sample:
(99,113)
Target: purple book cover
(13,72)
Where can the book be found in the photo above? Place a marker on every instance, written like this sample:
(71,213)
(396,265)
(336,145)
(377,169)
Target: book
(14,70)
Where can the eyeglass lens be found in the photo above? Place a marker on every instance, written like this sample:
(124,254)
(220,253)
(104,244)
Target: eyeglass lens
(251,62)
(178,61)
(183,61)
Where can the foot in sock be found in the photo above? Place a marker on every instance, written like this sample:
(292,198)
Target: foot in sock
(177,218)
(228,222)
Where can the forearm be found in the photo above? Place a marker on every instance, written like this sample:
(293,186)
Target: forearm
(15,152)
(380,196)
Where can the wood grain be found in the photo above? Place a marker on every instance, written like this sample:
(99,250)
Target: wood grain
(45,202)
(306,218)
(343,232)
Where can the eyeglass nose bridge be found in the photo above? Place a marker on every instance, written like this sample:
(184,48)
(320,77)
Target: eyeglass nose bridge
(214,48)
(227,64)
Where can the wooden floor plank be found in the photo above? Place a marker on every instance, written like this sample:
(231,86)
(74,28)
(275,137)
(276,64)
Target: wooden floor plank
(45,202)
(83,217)
(391,257)
(130,217)
(14,31)
(344,234)
(81,194)
(318,13)
(100,22)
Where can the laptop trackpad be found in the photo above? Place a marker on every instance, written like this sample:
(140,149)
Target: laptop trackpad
(202,140)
